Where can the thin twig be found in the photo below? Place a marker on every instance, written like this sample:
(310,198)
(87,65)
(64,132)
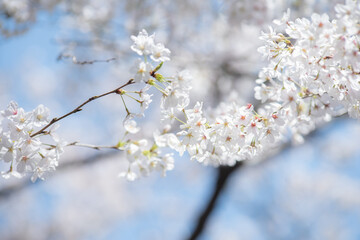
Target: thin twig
(78,109)
(96,147)
(75,61)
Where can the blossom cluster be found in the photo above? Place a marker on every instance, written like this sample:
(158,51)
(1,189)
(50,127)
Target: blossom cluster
(21,150)
(144,155)
(144,45)
(29,143)
(20,10)
(229,133)
(313,75)
(314,71)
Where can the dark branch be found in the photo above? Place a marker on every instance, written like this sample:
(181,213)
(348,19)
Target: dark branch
(224,172)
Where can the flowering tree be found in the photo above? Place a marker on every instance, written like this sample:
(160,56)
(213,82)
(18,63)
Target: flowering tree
(311,75)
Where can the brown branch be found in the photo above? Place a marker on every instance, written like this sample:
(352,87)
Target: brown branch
(79,108)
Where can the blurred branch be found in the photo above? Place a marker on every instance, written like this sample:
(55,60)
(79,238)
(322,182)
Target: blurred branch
(75,61)
(7,192)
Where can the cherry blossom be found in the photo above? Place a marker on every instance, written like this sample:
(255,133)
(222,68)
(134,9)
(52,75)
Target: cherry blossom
(312,76)
(24,153)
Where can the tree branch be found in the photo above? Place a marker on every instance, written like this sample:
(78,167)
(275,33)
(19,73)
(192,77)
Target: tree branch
(79,108)
(224,172)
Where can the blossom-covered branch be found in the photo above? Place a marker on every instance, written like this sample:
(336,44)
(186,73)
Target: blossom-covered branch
(25,145)
(312,76)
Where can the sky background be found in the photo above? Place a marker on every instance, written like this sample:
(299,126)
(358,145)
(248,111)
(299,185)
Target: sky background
(310,191)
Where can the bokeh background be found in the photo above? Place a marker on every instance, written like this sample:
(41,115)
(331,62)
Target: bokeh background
(311,191)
